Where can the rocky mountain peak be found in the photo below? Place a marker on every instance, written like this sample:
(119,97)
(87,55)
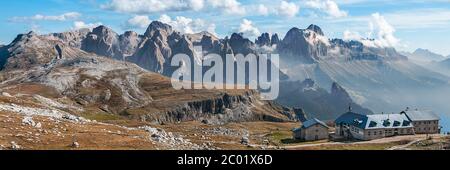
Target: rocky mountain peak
(301,47)
(338,91)
(263,40)
(129,42)
(275,39)
(293,32)
(427,55)
(421,50)
(241,45)
(103,31)
(24,37)
(157,25)
(266,40)
(130,34)
(316,29)
(206,41)
(72,38)
(197,37)
(237,36)
(102,41)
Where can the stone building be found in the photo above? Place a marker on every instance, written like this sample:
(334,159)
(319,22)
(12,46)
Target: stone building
(311,130)
(368,127)
(376,126)
(424,122)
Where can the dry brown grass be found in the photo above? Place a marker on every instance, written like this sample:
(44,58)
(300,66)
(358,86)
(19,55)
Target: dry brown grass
(89,136)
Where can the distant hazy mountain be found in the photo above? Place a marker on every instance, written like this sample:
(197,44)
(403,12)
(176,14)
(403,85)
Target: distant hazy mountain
(316,101)
(441,67)
(424,55)
(379,78)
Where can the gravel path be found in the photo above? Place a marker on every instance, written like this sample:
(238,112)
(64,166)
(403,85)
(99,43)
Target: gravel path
(413,138)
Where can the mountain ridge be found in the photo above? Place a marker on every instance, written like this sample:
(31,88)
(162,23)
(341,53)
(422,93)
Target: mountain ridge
(52,68)
(304,54)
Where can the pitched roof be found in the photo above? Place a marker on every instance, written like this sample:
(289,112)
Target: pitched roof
(374,121)
(352,118)
(421,115)
(377,121)
(312,122)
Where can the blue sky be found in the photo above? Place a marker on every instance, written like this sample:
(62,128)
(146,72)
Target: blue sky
(404,24)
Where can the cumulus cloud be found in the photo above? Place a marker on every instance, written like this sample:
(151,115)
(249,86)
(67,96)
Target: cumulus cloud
(385,31)
(248,29)
(152,6)
(138,21)
(80,24)
(288,9)
(263,10)
(39,17)
(329,7)
(196,5)
(155,6)
(350,35)
(188,25)
(228,6)
(381,33)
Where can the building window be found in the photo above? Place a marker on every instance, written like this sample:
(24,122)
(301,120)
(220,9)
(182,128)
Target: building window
(368,133)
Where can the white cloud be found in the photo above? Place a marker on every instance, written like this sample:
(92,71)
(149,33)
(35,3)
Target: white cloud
(80,24)
(288,9)
(248,29)
(381,33)
(39,17)
(138,21)
(350,35)
(329,7)
(188,25)
(385,30)
(263,10)
(152,6)
(420,18)
(197,5)
(228,6)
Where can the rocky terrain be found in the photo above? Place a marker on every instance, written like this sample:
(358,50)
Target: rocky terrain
(52,85)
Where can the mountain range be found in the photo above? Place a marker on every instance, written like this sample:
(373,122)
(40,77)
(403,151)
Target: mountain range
(371,79)
(56,68)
